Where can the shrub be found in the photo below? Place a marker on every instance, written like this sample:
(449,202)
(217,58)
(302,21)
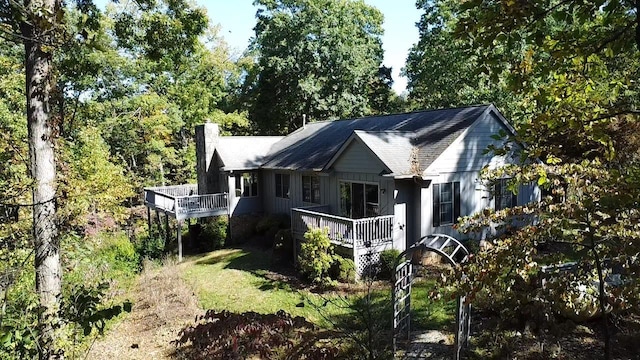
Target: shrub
(283,246)
(269,222)
(388,263)
(214,234)
(120,253)
(150,246)
(343,270)
(316,256)
(270,225)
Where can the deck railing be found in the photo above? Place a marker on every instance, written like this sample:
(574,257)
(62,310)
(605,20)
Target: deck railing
(347,232)
(183,200)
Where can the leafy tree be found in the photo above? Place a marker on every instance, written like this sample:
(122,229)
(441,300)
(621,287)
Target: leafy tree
(314,58)
(576,79)
(93,187)
(445,70)
(38,25)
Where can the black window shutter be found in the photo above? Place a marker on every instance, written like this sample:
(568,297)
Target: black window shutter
(497,194)
(456,201)
(514,199)
(436,205)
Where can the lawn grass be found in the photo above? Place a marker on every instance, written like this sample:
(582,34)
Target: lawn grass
(431,314)
(237,280)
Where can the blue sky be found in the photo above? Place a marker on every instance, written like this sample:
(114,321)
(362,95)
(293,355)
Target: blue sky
(237,19)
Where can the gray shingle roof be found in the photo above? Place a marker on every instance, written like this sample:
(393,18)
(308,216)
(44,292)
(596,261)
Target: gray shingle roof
(313,146)
(393,148)
(244,152)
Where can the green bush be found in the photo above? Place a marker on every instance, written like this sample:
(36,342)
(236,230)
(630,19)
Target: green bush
(283,246)
(343,270)
(270,225)
(388,263)
(120,253)
(269,222)
(150,246)
(316,256)
(214,234)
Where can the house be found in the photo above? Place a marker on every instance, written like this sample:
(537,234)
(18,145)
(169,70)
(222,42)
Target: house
(375,182)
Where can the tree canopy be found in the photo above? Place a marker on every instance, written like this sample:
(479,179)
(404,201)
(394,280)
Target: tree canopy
(315,58)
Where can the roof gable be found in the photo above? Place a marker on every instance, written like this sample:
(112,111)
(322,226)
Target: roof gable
(393,149)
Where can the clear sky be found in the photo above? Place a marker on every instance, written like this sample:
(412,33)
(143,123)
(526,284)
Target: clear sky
(237,19)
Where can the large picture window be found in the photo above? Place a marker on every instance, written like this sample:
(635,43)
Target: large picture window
(503,197)
(446,203)
(282,186)
(359,200)
(311,189)
(247,184)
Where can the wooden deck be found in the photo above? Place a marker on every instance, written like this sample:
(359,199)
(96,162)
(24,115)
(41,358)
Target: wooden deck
(364,238)
(183,201)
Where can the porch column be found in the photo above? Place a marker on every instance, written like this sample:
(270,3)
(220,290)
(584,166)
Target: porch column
(179,240)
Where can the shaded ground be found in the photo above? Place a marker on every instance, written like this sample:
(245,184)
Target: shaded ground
(162,305)
(430,344)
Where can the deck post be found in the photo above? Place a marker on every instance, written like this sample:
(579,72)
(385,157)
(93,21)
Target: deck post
(179,240)
(159,223)
(149,218)
(166,233)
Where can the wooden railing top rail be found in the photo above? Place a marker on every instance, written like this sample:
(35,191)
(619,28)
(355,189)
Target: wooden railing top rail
(175,190)
(341,218)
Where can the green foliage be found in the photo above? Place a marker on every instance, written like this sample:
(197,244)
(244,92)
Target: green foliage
(214,233)
(444,69)
(316,256)
(388,263)
(314,57)
(94,186)
(150,246)
(343,270)
(84,308)
(18,332)
(283,246)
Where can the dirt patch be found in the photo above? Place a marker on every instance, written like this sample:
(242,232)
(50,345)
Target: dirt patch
(162,305)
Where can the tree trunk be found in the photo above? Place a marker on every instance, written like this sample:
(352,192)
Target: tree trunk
(38,34)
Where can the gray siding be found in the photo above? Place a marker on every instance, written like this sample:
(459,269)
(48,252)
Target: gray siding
(357,158)
(245,205)
(466,153)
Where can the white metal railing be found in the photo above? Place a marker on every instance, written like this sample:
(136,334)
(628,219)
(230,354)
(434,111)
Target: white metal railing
(344,231)
(184,200)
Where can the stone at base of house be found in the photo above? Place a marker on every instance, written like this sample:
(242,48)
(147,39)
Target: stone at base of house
(242,227)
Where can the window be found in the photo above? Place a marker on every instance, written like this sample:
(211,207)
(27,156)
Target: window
(247,184)
(311,189)
(282,186)
(503,197)
(359,200)
(446,203)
